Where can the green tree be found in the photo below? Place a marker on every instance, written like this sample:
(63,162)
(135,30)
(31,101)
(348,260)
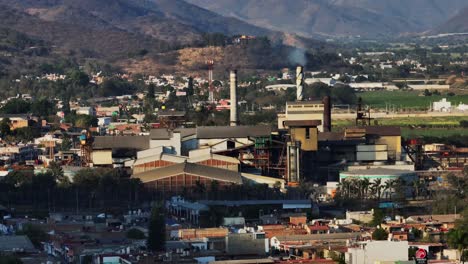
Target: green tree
(43,107)
(343,94)
(5,127)
(190,89)
(86,178)
(9,259)
(57,172)
(378,217)
(379,234)
(116,86)
(458,238)
(135,234)
(78,78)
(16,106)
(17,178)
(66,144)
(85,121)
(377,188)
(157,229)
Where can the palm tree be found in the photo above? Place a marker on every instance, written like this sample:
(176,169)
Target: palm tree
(389,187)
(343,188)
(354,187)
(377,187)
(416,184)
(364,184)
(458,238)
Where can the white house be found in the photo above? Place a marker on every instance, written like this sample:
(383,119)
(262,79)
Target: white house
(104,121)
(377,251)
(462,107)
(442,106)
(85,111)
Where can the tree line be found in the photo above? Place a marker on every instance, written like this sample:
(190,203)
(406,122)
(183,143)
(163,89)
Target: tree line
(365,189)
(52,190)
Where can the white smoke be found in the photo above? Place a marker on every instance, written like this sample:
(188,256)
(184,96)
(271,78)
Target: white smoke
(298,57)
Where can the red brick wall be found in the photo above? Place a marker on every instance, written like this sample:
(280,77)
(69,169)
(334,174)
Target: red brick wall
(219,164)
(176,183)
(152,165)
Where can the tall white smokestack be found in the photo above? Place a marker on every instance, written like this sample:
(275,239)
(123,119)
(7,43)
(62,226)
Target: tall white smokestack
(233,86)
(299,83)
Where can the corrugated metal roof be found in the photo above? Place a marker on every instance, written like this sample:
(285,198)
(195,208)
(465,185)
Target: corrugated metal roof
(190,168)
(161,133)
(8,243)
(214,157)
(121,142)
(180,159)
(185,132)
(233,132)
(162,156)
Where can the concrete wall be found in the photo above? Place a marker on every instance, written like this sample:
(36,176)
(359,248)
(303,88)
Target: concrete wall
(394,145)
(378,251)
(362,216)
(101,157)
(309,143)
(243,244)
(175,142)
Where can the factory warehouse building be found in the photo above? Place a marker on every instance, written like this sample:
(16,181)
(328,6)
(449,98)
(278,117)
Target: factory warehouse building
(175,178)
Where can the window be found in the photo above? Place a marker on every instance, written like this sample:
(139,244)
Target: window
(307,133)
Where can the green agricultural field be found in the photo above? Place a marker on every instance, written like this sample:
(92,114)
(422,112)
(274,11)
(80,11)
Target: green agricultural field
(407,99)
(433,132)
(446,121)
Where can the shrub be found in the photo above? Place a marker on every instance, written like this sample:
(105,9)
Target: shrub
(135,234)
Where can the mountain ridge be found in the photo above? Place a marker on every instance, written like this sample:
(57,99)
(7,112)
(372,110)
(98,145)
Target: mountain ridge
(368,18)
(456,24)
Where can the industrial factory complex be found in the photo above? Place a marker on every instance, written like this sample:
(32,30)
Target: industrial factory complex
(303,147)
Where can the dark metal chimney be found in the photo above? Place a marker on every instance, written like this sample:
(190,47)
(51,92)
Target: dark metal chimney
(326,114)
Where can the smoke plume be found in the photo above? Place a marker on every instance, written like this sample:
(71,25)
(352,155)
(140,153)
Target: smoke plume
(297,57)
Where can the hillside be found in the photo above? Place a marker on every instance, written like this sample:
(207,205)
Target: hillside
(87,41)
(145,33)
(457,24)
(169,20)
(338,17)
(116,28)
